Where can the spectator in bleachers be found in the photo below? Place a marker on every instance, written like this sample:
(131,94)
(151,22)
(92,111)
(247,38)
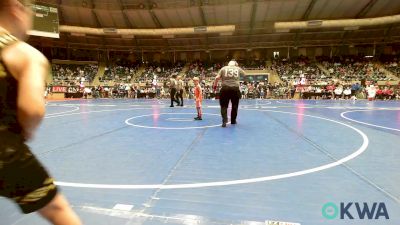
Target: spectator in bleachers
(338,92)
(347,92)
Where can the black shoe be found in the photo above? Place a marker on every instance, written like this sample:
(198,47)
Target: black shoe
(171,106)
(223,124)
(233,122)
(182,105)
(198,118)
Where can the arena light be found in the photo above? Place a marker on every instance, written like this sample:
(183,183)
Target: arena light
(202,29)
(353,23)
(110,30)
(224,30)
(43,34)
(314,23)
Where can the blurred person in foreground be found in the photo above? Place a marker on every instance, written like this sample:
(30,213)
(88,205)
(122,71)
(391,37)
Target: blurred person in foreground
(23,179)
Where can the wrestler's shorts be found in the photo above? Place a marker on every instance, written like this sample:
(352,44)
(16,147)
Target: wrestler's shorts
(198,104)
(22,177)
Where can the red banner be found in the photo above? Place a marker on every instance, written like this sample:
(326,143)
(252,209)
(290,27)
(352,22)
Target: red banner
(59,89)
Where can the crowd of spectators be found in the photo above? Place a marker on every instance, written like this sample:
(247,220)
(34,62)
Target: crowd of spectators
(391,63)
(350,68)
(70,74)
(253,65)
(331,78)
(393,67)
(261,90)
(298,71)
(124,90)
(203,69)
(119,73)
(345,91)
(162,70)
(209,69)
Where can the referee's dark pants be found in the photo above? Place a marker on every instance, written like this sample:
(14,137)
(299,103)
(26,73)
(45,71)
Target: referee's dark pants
(173,93)
(179,96)
(229,94)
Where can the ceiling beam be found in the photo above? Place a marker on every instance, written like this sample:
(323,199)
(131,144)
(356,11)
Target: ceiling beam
(396,39)
(387,34)
(96,18)
(274,44)
(203,20)
(344,36)
(253,14)
(339,34)
(203,17)
(153,15)
(252,20)
(61,19)
(296,39)
(366,8)
(126,19)
(304,17)
(155,19)
(308,10)
(157,22)
(98,24)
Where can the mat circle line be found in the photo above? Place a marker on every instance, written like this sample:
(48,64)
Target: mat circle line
(368,124)
(358,152)
(171,128)
(76,108)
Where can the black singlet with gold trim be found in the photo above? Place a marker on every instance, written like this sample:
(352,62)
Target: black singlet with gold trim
(8,91)
(23,179)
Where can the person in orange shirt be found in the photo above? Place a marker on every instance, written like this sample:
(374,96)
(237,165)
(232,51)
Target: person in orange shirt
(198,94)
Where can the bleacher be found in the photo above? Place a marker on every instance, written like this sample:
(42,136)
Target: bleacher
(340,72)
(118,73)
(391,63)
(66,74)
(353,68)
(293,70)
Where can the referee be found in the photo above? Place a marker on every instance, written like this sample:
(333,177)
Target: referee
(172,87)
(229,76)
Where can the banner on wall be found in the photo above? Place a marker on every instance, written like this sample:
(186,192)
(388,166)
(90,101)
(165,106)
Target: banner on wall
(59,89)
(255,78)
(64,89)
